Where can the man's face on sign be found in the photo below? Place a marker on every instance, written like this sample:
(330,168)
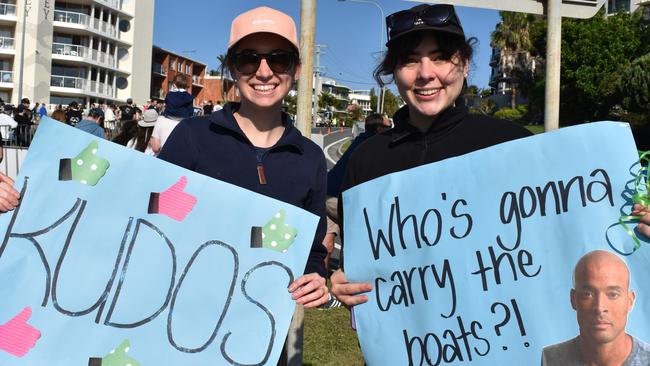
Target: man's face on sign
(601,297)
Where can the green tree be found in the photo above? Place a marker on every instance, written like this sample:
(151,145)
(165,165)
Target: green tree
(373,99)
(327,100)
(291,104)
(634,89)
(512,36)
(392,103)
(222,64)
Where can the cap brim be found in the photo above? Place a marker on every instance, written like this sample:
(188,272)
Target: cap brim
(444,29)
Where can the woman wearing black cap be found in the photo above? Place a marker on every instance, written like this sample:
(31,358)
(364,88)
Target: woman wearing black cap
(428,58)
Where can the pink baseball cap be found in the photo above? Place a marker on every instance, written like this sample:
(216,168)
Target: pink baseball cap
(263,20)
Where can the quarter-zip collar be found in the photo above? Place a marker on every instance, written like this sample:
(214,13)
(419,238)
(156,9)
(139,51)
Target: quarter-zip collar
(224,118)
(444,123)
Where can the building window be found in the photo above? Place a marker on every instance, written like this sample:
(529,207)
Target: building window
(614,6)
(187,69)
(180,67)
(173,64)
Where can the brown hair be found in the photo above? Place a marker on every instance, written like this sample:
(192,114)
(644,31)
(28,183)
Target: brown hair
(180,81)
(58,115)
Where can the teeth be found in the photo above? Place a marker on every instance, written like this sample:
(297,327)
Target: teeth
(427,91)
(264,87)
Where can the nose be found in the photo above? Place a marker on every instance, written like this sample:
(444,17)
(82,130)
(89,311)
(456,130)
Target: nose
(264,71)
(427,70)
(600,303)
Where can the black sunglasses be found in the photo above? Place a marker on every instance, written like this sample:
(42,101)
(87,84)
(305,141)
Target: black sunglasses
(433,15)
(281,62)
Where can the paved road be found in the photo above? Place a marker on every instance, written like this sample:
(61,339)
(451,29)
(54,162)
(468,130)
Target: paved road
(332,143)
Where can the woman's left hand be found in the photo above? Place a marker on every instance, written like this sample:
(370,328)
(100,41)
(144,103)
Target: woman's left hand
(309,290)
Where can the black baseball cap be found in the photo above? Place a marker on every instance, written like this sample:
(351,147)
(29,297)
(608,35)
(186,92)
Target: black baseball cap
(436,17)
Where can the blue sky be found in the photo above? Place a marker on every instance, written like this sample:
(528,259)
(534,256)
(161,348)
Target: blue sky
(199,29)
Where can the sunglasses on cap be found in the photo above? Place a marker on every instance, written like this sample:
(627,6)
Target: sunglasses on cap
(440,15)
(280,61)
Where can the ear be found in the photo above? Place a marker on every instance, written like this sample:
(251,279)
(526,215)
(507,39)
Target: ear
(631,296)
(573,299)
(296,74)
(466,69)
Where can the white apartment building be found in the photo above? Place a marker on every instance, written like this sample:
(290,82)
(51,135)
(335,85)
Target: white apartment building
(75,50)
(362,99)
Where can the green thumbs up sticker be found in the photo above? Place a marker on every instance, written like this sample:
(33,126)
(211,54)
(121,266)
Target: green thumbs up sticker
(275,235)
(86,168)
(117,357)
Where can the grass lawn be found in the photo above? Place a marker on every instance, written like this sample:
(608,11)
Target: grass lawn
(329,340)
(535,128)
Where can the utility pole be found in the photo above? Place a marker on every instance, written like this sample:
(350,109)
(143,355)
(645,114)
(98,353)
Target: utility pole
(553,50)
(317,84)
(305,84)
(26,8)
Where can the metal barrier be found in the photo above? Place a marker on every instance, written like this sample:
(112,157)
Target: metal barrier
(13,159)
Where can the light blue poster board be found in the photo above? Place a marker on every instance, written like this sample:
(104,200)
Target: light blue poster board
(464,284)
(156,263)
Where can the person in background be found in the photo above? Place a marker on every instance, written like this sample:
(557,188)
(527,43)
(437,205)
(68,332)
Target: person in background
(109,117)
(140,141)
(22,116)
(208,108)
(92,123)
(428,58)
(253,145)
(43,110)
(73,114)
(129,111)
(58,115)
(178,102)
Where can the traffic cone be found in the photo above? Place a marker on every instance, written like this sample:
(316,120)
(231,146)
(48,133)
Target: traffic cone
(328,130)
(320,130)
(341,129)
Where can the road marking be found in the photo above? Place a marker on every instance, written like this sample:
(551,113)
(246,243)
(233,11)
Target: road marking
(327,148)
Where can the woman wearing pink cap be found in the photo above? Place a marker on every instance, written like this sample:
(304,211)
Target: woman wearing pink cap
(253,144)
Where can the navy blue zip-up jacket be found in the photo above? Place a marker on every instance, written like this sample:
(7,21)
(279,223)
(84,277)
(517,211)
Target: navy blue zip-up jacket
(294,168)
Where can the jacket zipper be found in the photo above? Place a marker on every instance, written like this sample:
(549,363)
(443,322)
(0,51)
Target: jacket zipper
(260,168)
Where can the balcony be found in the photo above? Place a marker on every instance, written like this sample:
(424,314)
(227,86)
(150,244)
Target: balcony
(196,80)
(7,9)
(84,85)
(6,76)
(86,21)
(71,17)
(115,4)
(7,43)
(83,52)
(159,69)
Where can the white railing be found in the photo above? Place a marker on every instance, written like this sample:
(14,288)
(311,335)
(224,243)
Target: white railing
(69,49)
(6,76)
(7,43)
(82,51)
(7,9)
(196,79)
(112,3)
(68,82)
(87,86)
(71,17)
(104,28)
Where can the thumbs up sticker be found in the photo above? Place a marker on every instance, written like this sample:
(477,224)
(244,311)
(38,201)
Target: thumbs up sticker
(86,168)
(173,202)
(16,336)
(275,235)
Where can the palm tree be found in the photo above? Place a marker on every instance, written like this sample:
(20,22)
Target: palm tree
(222,61)
(512,37)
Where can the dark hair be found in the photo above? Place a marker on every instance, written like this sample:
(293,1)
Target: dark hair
(129,131)
(450,46)
(142,138)
(373,121)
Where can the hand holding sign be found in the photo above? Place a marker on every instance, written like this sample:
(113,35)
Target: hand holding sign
(173,202)
(16,336)
(9,197)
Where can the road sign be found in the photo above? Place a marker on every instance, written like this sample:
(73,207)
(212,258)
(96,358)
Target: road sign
(570,8)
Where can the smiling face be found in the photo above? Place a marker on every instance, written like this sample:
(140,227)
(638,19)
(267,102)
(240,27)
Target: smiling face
(601,297)
(428,82)
(264,88)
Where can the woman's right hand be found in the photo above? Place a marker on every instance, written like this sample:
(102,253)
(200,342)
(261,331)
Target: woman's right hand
(9,197)
(348,293)
(644,221)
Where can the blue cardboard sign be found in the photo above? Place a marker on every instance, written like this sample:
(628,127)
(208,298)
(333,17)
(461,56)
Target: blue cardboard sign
(114,257)
(471,258)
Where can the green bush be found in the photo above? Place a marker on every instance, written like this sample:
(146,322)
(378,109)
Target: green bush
(508,113)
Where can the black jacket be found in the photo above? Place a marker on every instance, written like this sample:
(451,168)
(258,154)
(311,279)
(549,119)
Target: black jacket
(456,132)
(294,167)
